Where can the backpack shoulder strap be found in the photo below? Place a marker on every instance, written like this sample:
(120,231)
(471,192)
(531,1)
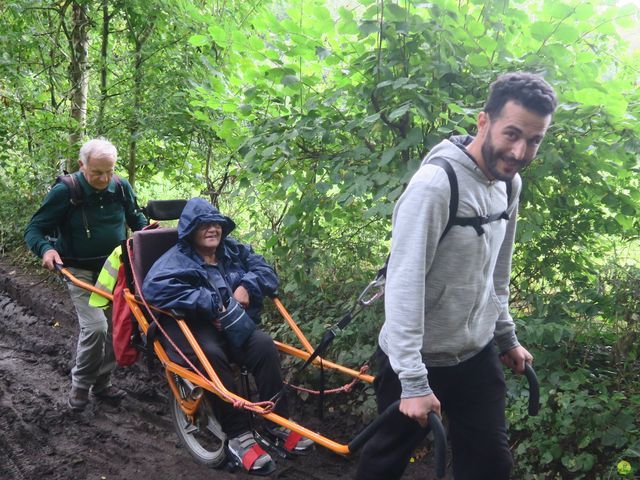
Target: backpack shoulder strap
(453,184)
(122,198)
(76,194)
(453,204)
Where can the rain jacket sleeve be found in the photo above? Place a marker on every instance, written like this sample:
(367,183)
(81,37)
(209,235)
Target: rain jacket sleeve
(260,278)
(252,271)
(177,282)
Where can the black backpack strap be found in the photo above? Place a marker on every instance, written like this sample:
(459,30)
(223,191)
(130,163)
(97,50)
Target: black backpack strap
(453,204)
(477,222)
(120,193)
(453,200)
(76,200)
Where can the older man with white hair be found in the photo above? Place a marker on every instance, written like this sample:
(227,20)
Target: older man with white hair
(89,210)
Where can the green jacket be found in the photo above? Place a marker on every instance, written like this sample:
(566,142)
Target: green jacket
(86,234)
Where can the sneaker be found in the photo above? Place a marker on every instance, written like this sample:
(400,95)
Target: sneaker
(78,399)
(110,393)
(249,454)
(291,441)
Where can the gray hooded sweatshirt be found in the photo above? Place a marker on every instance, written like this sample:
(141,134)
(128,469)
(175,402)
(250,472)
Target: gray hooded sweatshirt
(444,302)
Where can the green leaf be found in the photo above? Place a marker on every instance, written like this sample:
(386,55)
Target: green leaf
(289,80)
(628,210)
(245,108)
(256,43)
(567,34)
(372,118)
(322,52)
(219,35)
(395,12)
(624,221)
(398,112)
(199,40)
(387,156)
(541,30)
(478,60)
(367,27)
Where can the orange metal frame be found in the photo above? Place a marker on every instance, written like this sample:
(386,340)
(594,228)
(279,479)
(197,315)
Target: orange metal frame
(213,383)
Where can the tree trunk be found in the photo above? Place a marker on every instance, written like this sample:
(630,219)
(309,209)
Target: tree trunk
(134,123)
(78,76)
(139,39)
(104,50)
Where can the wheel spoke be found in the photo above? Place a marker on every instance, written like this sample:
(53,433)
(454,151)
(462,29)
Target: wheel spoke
(190,429)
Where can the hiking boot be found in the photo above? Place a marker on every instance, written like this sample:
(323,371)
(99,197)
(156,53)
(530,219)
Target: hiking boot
(109,394)
(78,399)
(246,452)
(291,441)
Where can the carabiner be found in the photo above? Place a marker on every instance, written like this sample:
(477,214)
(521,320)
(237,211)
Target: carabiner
(377,283)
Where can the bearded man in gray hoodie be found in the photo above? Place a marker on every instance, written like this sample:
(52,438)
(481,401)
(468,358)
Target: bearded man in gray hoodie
(447,289)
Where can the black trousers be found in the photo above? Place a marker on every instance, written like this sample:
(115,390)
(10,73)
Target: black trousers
(259,355)
(472,396)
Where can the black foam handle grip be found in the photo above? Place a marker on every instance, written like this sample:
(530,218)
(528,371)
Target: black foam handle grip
(440,438)
(534,390)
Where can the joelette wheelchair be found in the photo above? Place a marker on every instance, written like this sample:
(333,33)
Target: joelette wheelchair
(193,416)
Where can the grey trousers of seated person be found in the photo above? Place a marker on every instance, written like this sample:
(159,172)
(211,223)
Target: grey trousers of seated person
(94,354)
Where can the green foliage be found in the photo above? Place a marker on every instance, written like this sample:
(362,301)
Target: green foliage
(589,417)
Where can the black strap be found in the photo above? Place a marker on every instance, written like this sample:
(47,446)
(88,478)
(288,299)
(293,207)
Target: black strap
(218,266)
(477,222)
(453,185)
(152,334)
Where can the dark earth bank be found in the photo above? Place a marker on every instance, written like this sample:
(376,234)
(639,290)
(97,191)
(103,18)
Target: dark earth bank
(41,439)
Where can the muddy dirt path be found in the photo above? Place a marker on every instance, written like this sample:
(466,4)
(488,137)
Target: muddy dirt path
(41,439)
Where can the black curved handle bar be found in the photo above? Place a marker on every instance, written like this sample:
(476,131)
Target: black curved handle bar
(534,390)
(434,424)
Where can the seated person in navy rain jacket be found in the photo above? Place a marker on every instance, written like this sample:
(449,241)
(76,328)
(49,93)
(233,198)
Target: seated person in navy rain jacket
(189,278)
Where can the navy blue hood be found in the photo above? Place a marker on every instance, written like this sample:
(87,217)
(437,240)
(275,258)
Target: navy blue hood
(197,211)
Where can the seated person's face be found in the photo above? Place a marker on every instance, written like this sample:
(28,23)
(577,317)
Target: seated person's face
(207,236)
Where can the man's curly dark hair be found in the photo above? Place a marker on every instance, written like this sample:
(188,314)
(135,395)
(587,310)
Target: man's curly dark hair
(527,89)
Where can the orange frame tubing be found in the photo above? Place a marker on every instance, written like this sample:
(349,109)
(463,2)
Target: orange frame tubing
(213,383)
(87,286)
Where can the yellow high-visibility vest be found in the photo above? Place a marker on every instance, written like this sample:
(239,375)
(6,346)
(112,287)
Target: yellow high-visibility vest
(107,279)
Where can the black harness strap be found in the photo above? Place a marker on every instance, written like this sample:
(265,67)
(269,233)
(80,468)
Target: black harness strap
(453,201)
(475,222)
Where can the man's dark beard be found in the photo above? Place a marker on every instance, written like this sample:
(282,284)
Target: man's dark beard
(491,160)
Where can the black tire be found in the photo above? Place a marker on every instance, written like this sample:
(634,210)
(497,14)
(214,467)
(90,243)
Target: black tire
(204,438)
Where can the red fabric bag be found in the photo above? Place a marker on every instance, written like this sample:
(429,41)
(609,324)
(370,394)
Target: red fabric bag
(122,324)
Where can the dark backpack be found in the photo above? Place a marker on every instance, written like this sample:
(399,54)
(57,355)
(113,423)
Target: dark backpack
(76,194)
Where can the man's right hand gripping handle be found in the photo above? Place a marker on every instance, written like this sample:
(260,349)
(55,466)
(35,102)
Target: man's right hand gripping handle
(418,408)
(50,259)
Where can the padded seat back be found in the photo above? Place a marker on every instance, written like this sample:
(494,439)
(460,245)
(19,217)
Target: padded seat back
(148,246)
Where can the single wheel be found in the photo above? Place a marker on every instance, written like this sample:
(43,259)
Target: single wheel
(203,438)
